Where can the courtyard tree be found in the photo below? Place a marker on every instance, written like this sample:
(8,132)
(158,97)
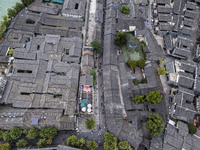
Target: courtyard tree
(92,145)
(48,132)
(132,64)
(192,129)
(110,141)
(75,142)
(32,133)
(138,99)
(125,9)
(123,145)
(15,133)
(42,143)
(90,123)
(11,13)
(5,146)
(141,63)
(153,97)
(154,124)
(21,143)
(18,7)
(97,46)
(162,71)
(121,38)
(27,2)
(6,136)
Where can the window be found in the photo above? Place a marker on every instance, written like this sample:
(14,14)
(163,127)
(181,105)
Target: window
(76,6)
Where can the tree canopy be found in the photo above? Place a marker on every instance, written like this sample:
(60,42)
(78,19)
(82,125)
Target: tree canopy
(121,39)
(192,129)
(18,7)
(97,46)
(11,13)
(125,9)
(92,145)
(27,2)
(138,99)
(123,145)
(32,133)
(154,124)
(15,133)
(90,123)
(21,143)
(162,71)
(110,141)
(153,97)
(48,132)
(75,142)
(5,146)
(42,143)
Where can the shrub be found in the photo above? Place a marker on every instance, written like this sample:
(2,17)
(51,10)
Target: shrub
(141,63)
(125,10)
(153,97)
(1,134)
(97,46)
(48,132)
(121,39)
(25,131)
(27,2)
(161,71)
(110,141)
(144,80)
(21,143)
(42,143)
(154,124)
(90,123)
(138,99)
(92,145)
(18,7)
(132,64)
(75,142)
(5,146)
(32,133)
(192,129)
(123,145)
(15,133)
(143,43)
(29,21)
(136,81)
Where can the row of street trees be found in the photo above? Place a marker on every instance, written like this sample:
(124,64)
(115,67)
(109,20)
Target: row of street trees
(15,133)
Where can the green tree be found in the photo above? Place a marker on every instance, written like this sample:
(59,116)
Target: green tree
(42,143)
(125,10)
(90,123)
(5,146)
(25,131)
(6,136)
(138,99)
(132,64)
(75,142)
(15,133)
(97,46)
(6,22)
(123,145)
(1,134)
(18,7)
(92,145)
(32,133)
(153,97)
(121,39)
(141,63)
(48,132)
(21,143)
(136,81)
(11,13)
(27,2)
(93,73)
(162,71)
(154,124)
(192,129)
(110,141)
(143,43)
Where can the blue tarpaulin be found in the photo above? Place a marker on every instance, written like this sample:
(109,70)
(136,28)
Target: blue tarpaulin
(34,121)
(82,105)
